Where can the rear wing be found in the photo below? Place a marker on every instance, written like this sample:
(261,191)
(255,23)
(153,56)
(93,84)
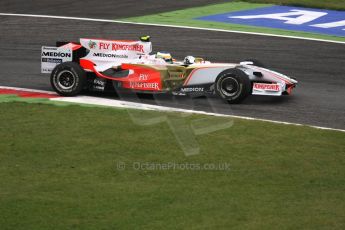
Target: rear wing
(98,51)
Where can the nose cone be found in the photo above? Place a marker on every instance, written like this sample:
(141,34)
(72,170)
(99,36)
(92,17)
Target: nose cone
(293,80)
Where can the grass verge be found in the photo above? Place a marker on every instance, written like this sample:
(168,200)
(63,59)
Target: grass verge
(187,17)
(325,4)
(59,170)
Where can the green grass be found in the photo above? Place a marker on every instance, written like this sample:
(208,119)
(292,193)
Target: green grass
(58,171)
(187,17)
(326,4)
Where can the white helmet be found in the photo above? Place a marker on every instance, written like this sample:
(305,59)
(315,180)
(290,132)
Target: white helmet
(189,60)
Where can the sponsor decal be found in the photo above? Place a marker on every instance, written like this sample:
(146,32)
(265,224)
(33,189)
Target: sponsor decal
(92,44)
(192,89)
(112,46)
(320,21)
(144,85)
(55,54)
(266,87)
(143,77)
(132,49)
(52,56)
(52,60)
(109,55)
(98,81)
(99,84)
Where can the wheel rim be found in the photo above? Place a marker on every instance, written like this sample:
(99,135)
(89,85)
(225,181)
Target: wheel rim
(65,79)
(229,86)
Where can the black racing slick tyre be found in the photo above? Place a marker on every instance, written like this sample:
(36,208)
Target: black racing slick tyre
(233,85)
(68,79)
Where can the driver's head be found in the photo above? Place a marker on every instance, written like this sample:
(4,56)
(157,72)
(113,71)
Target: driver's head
(166,56)
(189,60)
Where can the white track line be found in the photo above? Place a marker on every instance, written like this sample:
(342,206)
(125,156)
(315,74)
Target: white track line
(166,25)
(133,105)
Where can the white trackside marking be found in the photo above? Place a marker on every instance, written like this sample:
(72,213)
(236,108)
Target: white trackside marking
(167,25)
(304,16)
(331,24)
(133,105)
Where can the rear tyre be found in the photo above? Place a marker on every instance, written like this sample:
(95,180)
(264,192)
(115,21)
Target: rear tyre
(233,85)
(68,79)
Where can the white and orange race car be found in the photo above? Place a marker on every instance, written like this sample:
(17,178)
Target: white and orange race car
(121,65)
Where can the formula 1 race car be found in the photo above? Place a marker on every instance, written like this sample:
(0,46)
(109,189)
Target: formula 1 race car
(122,65)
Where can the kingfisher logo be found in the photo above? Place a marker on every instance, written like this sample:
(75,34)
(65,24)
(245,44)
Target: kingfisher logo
(320,21)
(144,85)
(266,87)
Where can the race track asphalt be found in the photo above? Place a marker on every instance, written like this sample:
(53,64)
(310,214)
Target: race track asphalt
(318,100)
(109,9)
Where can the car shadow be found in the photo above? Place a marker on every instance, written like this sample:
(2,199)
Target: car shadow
(169,99)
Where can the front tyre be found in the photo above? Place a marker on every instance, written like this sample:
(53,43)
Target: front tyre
(233,85)
(68,79)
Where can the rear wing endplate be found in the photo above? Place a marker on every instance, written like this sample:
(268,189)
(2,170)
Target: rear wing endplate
(52,56)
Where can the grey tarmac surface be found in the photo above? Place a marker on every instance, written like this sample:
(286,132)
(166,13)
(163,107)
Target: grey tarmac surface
(318,100)
(109,9)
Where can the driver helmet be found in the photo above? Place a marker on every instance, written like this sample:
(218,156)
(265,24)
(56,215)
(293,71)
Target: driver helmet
(165,56)
(189,60)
